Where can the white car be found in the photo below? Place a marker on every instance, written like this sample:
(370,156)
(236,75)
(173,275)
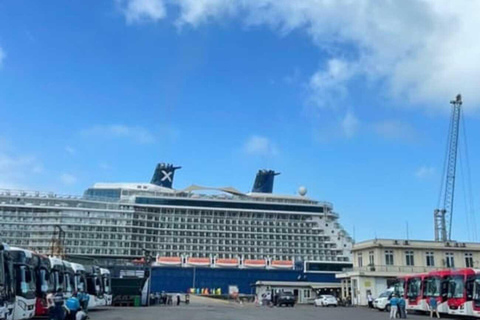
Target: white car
(326,301)
(382,303)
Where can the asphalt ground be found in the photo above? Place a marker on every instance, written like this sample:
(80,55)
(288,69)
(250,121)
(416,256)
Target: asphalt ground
(220,310)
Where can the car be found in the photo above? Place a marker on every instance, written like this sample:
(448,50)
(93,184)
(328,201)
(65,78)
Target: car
(326,300)
(285,299)
(382,303)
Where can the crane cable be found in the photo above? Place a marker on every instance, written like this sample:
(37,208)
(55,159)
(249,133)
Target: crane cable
(469,183)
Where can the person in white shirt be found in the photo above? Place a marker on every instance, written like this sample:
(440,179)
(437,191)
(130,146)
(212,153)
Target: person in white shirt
(50,305)
(370,300)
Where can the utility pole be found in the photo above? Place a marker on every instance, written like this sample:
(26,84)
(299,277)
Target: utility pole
(443,216)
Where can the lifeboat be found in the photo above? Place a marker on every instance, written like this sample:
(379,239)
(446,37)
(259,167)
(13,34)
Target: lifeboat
(257,263)
(200,262)
(282,264)
(169,261)
(227,262)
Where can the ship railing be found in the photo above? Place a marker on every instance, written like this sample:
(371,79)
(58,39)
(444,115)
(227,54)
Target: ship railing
(392,269)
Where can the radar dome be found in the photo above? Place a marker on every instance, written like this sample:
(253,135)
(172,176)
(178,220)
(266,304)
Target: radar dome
(302,191)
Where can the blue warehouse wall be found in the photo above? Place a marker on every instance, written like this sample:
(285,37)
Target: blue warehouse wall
(177,279)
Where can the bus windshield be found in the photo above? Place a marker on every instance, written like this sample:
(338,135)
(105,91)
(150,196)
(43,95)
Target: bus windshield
(44,280)
(68,283)
(25,282)
(476,292)
(455,287)
(433,287)
(106,284)
(57,280)
(80,283)
(414,285)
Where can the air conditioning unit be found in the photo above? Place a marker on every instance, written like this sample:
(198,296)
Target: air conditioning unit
(395,241)
(447,244)
(463,244)
(406,242)
(456,244)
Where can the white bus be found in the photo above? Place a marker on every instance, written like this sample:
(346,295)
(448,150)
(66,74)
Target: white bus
(25,286)
(7,284)
(107,286)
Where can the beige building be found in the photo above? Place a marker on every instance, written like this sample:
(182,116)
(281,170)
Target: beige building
(377,263)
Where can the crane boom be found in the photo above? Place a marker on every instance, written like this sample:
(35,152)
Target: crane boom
(443,216)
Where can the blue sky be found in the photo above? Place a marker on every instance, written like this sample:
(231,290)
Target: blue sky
(347,98)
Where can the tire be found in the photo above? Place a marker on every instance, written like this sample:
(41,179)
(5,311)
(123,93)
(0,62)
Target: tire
(387,308)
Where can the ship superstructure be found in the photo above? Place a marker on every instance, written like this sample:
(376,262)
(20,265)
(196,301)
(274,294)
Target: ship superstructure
(225,227)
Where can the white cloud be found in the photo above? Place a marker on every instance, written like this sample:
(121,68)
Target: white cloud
(395,130)
(258,145)
(424,172)
(68,179)
(328,85)
(349,124)
(16,171)
(424,50)
(70,150)
(2,56)
(116,131)
(143,10)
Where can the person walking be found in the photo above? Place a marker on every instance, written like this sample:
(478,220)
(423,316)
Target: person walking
(370,299)
(58,307)
(393,307)
(178,299)
(50,305)
(433,307)
(401,308)
(83,298)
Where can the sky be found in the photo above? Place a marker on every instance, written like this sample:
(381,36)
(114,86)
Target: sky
(349,98)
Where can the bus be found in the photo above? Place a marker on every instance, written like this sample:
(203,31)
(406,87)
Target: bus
(24,262)
(107,286)
(68,279)
(436,286)
(460,292)
(57,273)
(80,277)
(43,284)
(7,283)
(414,292)
(94,287)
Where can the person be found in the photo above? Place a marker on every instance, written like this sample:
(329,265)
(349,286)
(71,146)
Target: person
(83,298)
(433,307)
(401,308)
(164,298)
(178,299)
(50,305)
(187,298)
(370,299)
(393,307)
(72,305)
(3,308)
(58,305)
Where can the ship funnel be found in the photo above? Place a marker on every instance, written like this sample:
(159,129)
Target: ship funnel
(163,175)
(264,181)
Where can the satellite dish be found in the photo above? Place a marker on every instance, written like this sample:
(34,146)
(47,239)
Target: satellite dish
(302,191)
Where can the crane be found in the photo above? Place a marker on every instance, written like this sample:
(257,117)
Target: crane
(443,215)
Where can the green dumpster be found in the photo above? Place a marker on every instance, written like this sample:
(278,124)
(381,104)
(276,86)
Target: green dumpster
(136,301)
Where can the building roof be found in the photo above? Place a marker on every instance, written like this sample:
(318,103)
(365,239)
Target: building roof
(420,244)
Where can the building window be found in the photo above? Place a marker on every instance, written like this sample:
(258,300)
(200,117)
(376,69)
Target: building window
(449,260)
(389,257)
(360,259)
(409,258)
(468,260)
(430,259)
(371,258)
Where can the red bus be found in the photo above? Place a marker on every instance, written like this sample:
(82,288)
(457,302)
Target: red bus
(414,289)
(460,292)
(436,285)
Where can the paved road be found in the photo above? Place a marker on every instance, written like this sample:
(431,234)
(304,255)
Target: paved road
(229,311)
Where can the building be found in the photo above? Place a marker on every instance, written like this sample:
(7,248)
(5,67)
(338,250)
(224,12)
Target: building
(377,263)
(216,227)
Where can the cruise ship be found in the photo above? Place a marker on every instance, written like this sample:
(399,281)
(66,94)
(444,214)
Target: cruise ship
(193,226)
